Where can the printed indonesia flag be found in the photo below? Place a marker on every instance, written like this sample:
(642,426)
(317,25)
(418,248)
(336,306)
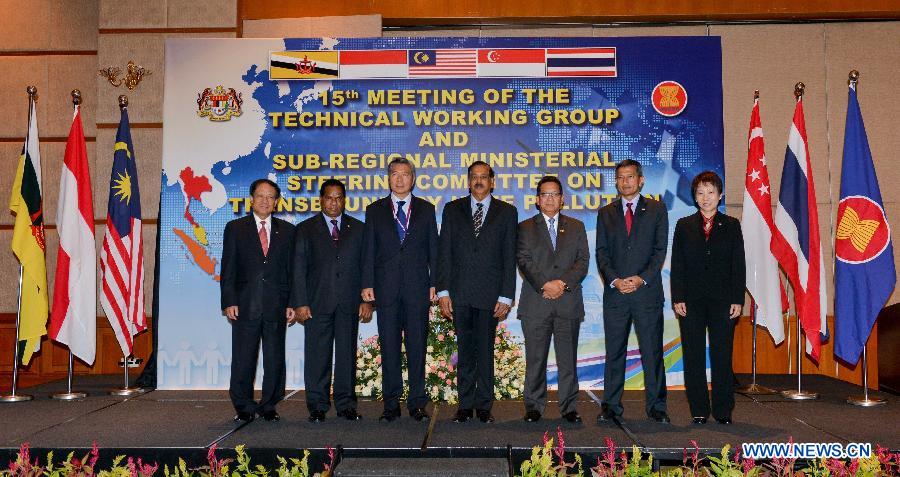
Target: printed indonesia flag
(442,63)
(373,64)
(798,248)
(73,321)
(757,225)
(581,62)
(512,63)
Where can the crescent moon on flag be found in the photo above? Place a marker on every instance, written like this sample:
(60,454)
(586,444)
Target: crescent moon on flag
(493,56)
(420,57)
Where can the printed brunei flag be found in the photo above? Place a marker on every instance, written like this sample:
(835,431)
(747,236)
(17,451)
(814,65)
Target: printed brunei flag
(291,65)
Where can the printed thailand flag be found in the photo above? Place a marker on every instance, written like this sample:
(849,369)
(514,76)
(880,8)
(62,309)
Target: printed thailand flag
(373,64)
(581,62)
(511,63)
(442,63)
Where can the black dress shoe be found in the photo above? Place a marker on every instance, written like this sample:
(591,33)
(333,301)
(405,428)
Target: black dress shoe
(419,414)
(349,414)
(316,416)
(699,420)
(606,416)
(484,415)
(659,416)
(244,416)
(532,416)
(462,415)
(271,416)
(723,420)
(572,417)
(389,415)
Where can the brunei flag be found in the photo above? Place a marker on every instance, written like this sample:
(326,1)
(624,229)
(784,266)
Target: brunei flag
(291,65)
(28,242)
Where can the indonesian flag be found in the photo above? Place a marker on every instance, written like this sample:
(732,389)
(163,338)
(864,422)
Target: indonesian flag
(373,64)
(798,248)
(73,320)
(757,224)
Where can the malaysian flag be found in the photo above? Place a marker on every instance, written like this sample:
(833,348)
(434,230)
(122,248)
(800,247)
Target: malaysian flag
(122,258)
(442,63)
(798,247)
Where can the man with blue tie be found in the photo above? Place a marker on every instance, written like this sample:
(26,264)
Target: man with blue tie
(400,252)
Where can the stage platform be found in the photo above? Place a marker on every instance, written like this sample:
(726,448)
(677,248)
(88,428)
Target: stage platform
(161,425)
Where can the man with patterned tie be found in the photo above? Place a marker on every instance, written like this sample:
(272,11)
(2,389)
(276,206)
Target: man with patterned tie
(255,282)
(552,253)
(325,296)
(632,238)
(477,282)
(399,266)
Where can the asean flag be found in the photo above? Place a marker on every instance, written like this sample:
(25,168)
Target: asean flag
(511,63)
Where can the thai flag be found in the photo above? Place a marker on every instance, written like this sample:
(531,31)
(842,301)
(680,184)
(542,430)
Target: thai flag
(798,248)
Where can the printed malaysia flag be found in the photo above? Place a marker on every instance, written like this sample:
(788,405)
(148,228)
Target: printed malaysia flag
(865,274)
(581,61)
(442,63)
(798,248)
(373,64)
(511,63)
(73,321)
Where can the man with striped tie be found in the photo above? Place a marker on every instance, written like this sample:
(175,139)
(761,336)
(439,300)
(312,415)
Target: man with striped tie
(477,283)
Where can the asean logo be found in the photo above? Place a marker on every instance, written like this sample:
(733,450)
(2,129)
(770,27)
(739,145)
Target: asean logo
(218,104)
(862,232)
(669,98)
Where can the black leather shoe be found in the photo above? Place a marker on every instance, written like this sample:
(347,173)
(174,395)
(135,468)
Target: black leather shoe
(572,417)
(723,420)
(699,420)
(271,416)
(462,415)
(244,416)
(660,416)
(419,414)
(316,416)
(389,415)
(349,414)
(484,416)
(606,416)
(532,416)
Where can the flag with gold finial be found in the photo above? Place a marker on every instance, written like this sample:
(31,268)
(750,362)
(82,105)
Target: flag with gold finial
(28,242)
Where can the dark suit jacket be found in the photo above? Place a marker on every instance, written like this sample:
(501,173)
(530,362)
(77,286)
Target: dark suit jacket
(327,277)
(540,264)
(642,253)
(392,268)
(477,271)
(259,285)
(713,269)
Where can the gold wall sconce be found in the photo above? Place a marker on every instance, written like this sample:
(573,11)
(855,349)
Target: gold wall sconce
(134,74)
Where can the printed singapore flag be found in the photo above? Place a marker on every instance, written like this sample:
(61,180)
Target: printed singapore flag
(511,63)
(373,64)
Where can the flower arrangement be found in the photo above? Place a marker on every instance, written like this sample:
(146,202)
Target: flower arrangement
(441,360)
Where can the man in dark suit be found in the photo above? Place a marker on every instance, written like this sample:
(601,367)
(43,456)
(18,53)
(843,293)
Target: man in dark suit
(398,274)
(632,237)
(325,297)
(552,253)
(477,283)
(256,284)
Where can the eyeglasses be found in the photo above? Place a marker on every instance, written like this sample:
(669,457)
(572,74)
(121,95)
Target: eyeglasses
(550,195)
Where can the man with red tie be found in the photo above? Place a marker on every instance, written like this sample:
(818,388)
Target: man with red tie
(632,238)
(255,285)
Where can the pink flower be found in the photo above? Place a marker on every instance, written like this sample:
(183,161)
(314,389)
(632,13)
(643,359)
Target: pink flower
(378,360)
(449,381)
(497,340)
(440,337)
(442,375)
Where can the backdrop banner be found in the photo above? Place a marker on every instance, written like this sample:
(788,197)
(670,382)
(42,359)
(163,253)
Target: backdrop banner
(299,111)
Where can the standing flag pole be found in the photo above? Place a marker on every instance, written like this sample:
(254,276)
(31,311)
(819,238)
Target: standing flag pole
(28,246)
(865,274)
(121,257)
(757,225)
(73,321)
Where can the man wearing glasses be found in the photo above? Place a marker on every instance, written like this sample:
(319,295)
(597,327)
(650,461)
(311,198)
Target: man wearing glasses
(552,253)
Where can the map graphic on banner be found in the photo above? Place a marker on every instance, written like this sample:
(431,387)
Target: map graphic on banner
(528,106)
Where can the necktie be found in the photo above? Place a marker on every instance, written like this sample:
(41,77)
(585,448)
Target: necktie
(553,232)
(263,237)
(334,231)
(629,218)
(478,219)
(401,220)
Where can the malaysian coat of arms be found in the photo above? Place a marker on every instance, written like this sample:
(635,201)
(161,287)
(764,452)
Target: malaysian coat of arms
(218,104)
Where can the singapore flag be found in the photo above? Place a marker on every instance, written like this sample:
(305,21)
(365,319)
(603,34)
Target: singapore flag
(511,63)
